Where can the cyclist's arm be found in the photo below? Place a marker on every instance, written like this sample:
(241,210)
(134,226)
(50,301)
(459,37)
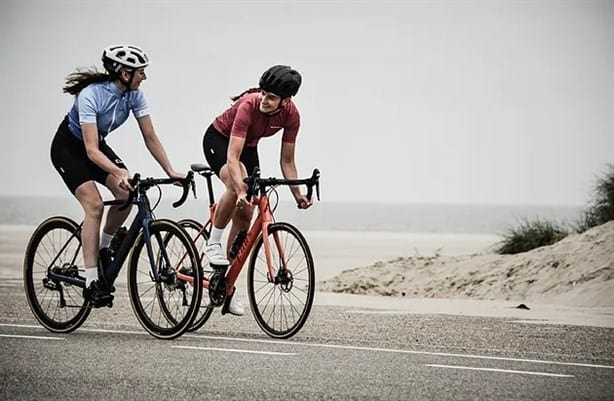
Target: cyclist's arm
(90,141)
(288,169)
(235,147)
(155,146)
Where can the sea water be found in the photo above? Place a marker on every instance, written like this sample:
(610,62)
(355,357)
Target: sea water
(328,216)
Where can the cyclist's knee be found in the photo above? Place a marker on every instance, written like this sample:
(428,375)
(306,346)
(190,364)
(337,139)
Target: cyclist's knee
(93,209)
(230,194)
(90,200)
(113,185)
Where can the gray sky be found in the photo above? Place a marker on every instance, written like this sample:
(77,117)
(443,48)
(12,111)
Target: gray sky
(505,102)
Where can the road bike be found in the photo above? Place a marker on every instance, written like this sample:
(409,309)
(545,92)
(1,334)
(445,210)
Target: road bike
(159,249)
(280,274)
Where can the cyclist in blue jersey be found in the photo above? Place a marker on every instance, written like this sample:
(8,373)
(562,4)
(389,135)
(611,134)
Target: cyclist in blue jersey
(79,152)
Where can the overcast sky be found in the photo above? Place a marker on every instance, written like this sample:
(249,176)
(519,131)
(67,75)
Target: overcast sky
(488,102)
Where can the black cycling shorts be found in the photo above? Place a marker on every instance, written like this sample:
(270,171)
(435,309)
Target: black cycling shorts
(215,147)
(70,159)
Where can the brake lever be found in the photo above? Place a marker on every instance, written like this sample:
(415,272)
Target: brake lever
(134,183)
(193,185)
(252,182)
(186,189)
(315,177)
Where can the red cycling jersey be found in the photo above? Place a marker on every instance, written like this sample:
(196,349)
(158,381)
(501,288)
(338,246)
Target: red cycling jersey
(245,120)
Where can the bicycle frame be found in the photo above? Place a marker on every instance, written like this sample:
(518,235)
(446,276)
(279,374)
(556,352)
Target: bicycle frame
(260,225)
(141,221)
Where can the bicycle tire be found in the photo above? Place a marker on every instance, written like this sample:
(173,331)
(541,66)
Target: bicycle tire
(281,309)
(193,228)
(153,300)
(58,306)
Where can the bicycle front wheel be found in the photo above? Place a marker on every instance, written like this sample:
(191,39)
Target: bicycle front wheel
(281,302)
(164,305)
(55,246)
(199,237)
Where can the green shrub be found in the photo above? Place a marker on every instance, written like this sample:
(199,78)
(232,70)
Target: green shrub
(530,235)
(601,210)
(533,234)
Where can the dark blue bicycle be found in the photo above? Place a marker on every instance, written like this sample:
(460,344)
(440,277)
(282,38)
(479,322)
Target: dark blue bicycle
(158,249)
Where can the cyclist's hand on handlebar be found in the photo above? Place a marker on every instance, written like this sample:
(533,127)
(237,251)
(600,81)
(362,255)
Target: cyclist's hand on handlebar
(242,202)
(123,177)
(303,202)
(179,176)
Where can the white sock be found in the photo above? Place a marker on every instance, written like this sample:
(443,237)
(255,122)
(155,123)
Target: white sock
(216,235)
(91,274)
(105,239)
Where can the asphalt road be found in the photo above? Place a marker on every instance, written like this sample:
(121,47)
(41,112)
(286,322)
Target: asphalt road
(342,353)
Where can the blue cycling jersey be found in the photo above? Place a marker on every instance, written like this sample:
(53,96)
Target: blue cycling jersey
(106,106)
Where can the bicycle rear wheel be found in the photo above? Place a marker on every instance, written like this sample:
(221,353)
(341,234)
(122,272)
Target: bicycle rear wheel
(193,228)
(55,246)
(281,304)
(164,305)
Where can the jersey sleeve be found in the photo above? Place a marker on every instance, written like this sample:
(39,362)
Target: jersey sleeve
(242,121)
(86,104)
(292,125)
(139,105)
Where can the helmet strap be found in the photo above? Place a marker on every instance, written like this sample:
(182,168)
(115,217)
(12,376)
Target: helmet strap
(127,83)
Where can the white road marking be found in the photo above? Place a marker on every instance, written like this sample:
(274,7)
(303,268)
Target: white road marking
(246,351)
(524,372)
(347,347)
(403,351)
(31,337)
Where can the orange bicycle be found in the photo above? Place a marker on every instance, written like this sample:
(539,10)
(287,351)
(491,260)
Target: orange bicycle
(281,273)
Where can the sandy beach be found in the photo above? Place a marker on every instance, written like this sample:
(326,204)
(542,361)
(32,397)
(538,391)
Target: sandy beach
(571,282)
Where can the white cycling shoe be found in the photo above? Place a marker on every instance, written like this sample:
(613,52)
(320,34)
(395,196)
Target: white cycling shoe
(232,305)
(215,255)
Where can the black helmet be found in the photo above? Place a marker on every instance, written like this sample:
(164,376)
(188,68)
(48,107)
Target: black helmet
(281,80)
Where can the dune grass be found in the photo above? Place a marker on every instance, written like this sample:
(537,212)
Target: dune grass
(530,235)
(536,233)
(601,209)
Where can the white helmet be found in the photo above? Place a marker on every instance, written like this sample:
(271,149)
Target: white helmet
(114,58)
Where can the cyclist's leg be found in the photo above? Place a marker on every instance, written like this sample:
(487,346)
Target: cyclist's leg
(89,197)
(240,221)
(242,218)
(115,217)
(79,174)
(215,149)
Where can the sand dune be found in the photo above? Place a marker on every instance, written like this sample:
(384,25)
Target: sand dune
(577,271)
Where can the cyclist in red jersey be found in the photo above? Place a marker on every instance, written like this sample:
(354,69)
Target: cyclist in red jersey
(230,147)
